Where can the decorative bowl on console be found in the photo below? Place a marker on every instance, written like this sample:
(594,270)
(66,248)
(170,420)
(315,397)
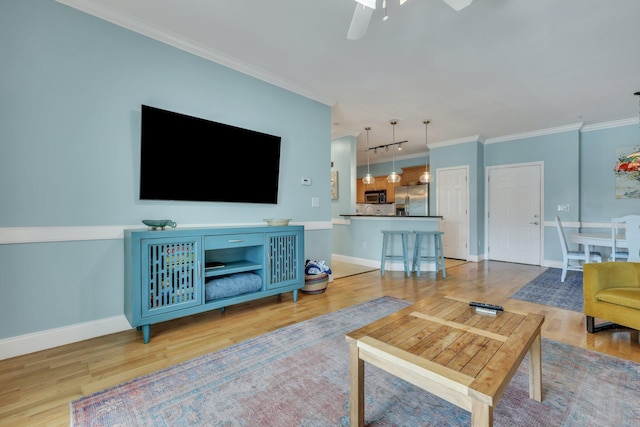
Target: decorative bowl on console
(159,224)
(276,222)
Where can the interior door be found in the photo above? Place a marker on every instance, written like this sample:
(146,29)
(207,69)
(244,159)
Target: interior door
(514,221)
(452,198)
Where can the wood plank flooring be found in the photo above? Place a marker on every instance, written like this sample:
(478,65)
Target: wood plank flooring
(36,388)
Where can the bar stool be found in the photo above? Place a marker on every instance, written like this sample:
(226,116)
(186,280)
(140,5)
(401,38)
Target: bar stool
(438,256)
(386,236)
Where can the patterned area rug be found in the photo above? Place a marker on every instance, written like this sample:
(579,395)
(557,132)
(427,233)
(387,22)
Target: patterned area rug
(299,376)
(547,289)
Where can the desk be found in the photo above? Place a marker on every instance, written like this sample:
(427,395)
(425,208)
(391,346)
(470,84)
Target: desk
(449,350)
(597,239)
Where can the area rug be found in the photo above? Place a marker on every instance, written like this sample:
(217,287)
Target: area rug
(547,289)
(299,376)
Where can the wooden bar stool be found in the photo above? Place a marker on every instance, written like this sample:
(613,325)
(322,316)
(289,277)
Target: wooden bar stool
(386,236)
(438,256)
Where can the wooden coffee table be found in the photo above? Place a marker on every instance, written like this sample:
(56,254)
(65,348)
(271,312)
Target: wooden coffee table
(449,350)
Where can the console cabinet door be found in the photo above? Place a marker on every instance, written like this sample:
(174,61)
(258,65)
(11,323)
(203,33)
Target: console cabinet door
(171,274)
(284,259)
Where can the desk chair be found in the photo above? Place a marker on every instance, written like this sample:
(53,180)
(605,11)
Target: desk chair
(569,256)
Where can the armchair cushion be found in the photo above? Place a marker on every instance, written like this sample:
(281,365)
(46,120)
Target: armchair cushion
(628,297)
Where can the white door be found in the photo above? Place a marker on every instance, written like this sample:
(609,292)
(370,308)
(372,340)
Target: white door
(452,198)
(514,221)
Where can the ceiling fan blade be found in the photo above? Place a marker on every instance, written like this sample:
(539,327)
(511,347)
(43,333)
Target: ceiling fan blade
(458,4)
(359,22)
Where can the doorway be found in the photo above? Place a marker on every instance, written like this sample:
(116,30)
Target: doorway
(452,191)
(514,213)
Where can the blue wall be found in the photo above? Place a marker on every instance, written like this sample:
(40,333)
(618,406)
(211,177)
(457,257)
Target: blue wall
(343,158)
(597,160)
(466,154)
(71,89)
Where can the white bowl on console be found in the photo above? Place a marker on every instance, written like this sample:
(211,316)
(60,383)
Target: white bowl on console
(276,222)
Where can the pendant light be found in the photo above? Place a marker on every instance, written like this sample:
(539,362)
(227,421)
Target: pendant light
(368,179)
(393,176)
(426,176)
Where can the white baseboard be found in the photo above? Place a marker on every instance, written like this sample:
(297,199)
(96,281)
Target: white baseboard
(359,261)
(551,263)
(30,343)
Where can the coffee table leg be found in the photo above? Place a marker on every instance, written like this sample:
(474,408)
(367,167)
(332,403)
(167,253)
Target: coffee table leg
(356,384)
(481,414)
(535,369)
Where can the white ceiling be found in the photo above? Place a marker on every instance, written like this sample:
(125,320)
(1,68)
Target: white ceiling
(495,68)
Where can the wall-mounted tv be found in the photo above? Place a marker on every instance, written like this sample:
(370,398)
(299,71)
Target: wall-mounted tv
(192,159)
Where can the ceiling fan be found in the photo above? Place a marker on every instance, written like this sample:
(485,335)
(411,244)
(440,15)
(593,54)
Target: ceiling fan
(365,8)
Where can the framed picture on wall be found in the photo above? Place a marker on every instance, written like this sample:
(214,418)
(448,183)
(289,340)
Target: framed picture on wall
(627,172)
(334,185)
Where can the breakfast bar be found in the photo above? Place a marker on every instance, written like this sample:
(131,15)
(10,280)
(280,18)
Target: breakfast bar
(361,236)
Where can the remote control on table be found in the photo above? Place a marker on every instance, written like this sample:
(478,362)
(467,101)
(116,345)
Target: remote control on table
(485,305)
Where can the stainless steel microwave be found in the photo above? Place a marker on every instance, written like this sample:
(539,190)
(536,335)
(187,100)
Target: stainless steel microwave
(375,196)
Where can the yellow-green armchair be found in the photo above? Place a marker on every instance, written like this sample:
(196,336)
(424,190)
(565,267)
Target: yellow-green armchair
(612,293)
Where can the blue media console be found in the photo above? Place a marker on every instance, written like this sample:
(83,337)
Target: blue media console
(180,272)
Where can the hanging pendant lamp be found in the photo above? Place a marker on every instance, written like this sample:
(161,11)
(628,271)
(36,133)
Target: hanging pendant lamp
(393,177)
(426,176)
(368,179)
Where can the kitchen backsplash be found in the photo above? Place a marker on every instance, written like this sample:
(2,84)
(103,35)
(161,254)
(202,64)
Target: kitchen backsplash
(370,209)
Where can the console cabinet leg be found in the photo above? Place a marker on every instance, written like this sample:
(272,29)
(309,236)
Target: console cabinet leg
(146,333)
(295,295)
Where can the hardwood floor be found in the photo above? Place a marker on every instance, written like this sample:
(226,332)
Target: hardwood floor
(37,388)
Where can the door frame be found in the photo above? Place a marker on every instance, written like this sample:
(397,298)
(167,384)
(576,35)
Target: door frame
(487,196)
(466,169)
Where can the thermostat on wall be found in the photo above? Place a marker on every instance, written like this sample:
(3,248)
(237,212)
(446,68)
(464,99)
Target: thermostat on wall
(306,181)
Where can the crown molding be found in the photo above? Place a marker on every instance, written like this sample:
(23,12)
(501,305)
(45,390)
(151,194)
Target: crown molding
(612,124)
(541,132)
(456,141)
(157,33)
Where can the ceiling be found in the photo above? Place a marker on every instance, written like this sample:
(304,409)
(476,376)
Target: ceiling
(493,69)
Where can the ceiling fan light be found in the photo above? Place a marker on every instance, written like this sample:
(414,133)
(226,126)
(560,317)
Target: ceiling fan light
(369,3)
(457,5)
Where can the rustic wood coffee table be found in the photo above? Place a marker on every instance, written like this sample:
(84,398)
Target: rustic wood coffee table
(449,350)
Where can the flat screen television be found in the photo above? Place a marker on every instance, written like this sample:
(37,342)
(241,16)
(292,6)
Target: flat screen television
(187,158)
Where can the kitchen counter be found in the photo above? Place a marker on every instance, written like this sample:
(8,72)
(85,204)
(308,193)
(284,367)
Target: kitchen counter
(360,239)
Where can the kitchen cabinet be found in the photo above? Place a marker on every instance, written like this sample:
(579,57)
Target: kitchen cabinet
(378,184)
(409,174)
